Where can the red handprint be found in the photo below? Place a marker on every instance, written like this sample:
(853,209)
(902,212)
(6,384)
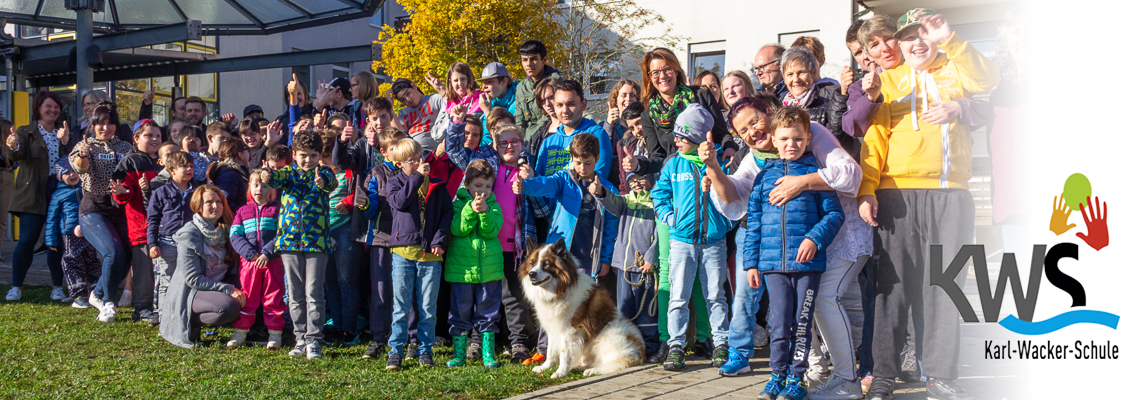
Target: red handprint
(1097,238)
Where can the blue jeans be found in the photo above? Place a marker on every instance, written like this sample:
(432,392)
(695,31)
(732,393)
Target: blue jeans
(745,304)
(688,262)
(31,225)
(108,235)
(342,277)
(414,284)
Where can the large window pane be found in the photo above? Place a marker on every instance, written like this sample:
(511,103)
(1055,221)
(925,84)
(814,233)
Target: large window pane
(708,62)
(201,86)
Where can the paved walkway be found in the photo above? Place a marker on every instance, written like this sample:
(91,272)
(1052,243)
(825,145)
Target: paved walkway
(37,274)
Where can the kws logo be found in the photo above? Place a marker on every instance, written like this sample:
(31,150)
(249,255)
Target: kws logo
(1078,191)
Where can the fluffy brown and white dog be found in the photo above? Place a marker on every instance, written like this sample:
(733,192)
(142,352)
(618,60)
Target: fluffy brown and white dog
(585,330)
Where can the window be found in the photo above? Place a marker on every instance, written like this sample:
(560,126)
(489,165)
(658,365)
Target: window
(706,57)
(377,20)
(340,70)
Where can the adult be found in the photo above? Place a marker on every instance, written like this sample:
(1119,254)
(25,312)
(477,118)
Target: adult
(708,80)
(766,65)
(528,113)
(36,147)
(103,221)
(364,87)
(91,99)
(177,112)
(624,93)
(816,47)
(423,116)
(823,100)
(195,115)
(196,295)
(1007,134)
(499,90)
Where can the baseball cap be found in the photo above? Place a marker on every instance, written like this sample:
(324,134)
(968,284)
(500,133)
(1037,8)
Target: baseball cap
(911,18)
(693,123)
(343,85)
(252,108)
(494,70)
(141,122)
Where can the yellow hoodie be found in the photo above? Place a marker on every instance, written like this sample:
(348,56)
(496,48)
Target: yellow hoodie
(902,152)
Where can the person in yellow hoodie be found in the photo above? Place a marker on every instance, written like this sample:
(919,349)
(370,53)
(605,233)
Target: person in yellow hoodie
(914,191)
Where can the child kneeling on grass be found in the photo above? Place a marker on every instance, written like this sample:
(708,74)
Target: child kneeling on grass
(262,273)
(474,264)
(792,253)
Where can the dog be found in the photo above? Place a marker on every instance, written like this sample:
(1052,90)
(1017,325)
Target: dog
(585,330)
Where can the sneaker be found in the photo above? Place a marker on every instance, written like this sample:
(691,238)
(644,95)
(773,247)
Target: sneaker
(736,364)
(142,314)
(394,361)
(106,314)
(57,294)
(125,300)
(238,339)
(720,356)
(815,377)
(908,370)
(313,350)
(676,359)
(837,388)
(519,353)
(352,339)
(410,351)
(274,341)
(80,302)
(793,389)
(946,389)
(759,336)
(298,350)
(374,350)
(14,294)
(95,301)
(881,389)
(773,388)
(659,356)
(537,358)
(425,360)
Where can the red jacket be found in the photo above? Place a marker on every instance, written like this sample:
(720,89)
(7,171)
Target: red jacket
(443,169)
(132,167)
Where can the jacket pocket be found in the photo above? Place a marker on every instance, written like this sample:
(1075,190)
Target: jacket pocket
(905,149)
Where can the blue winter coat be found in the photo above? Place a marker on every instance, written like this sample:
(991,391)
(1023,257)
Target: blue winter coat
(680,204)
(779,231)
(62,213)
(563,187)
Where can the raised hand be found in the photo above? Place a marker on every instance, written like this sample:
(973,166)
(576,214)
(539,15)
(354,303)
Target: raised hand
(485,103)
(148,96)
(359,201)
(292,88)
(321,118)
(143,183)
(872,84)
(118,188)
(940,112)
(596,189)
(82,149)
(612,115)
(1059,222)
(348,133)
(806,252)
(935,29)
(62,134)
(707,151)
(265,174)
(629,164)
(525,172)
(1097,224)
(12,142)
(441,149)
(869,209)
(479,203)
(435,83)
(458,113)
(318,180)
(846,78)
(273,133)
(228,118)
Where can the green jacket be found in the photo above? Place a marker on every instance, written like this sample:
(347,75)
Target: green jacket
(29,194)
(528,115)
(474,254)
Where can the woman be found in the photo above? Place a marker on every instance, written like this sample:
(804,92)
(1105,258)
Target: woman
(624,92)
(103,222)
(364,87)
(300,96)
(708,80)
(7,128)
(822,99)
(36,147)
(93,99)
(196,295)
(462,88)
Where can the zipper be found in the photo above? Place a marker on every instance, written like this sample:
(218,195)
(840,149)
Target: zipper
(784,227)
(698,217)
(257,220)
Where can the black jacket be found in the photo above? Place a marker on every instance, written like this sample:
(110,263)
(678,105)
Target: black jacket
(659,142)
(826,107)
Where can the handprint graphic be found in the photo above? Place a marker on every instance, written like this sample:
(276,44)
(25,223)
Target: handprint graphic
(1097,224)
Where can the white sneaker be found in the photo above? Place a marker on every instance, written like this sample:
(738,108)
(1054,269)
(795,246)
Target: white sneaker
(14,294)
(80,302)
(94,301)
(106,314)
(57,294)
(238,339)
(274,342)
(759,336)
(126,299)
(837,388)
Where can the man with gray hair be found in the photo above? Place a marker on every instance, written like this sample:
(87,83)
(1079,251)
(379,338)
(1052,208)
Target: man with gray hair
(766,65)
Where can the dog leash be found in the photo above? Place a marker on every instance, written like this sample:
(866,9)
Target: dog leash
(639,260)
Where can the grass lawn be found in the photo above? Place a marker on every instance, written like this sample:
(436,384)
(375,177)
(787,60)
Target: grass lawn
(51,350)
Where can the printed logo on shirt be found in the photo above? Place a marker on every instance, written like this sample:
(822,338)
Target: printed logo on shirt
(556,159)
(682,177)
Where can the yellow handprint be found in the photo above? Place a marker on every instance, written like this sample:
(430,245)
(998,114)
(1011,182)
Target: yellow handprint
(1059,222)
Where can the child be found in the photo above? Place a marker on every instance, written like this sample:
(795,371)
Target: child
(133,175)
(303,237)
(579,218)
(278,156)
(214,134)
(262,274)
(81,264)
(631,145)
(569,105)
(792,253)
(423,115)
(379,214)
(420,220)
(231,172)
(634,253)
(342,272)
(167,211)
(163,176)
(696,238)
(474,264)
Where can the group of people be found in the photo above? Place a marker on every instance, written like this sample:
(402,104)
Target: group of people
(720,216)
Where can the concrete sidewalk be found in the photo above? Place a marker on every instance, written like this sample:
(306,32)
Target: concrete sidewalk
(38,274)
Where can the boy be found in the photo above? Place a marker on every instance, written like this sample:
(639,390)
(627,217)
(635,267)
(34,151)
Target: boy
(303,237)
(792,253)
(925,200)
(420,221)
(167,211)
(530,116)
(81,264)
(569,105)
(631,145)
(579,218)
(498,91)
(342,270)
(634,255)
(696,238)
(379,216)
(163,176)
(474,265)
(422,115)
(214,134)
(366,153)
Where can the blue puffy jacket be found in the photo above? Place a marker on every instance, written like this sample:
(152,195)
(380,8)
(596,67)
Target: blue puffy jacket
(62,214)
(779,231)
(680,203)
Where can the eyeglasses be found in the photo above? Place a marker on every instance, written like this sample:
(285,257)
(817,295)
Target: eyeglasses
(512,142)
(760,68)
(659,72)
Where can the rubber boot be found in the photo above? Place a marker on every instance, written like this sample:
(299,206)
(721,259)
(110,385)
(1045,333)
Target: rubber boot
(460,357)
(238,339)
(489,350)
(275,341)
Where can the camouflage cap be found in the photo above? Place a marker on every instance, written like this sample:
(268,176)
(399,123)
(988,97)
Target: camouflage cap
(911,18)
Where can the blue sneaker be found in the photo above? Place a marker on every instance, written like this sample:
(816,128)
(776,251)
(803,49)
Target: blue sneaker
(773,388)
(736,364)
(793,389)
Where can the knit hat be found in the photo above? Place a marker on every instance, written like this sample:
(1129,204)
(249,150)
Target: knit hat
(911,18)
(61,167)
(693,123)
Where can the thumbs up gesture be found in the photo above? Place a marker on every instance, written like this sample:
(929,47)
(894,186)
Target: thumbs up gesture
(846,78)
(629,164)
(597,189)
(13,142)
(525,172)
(62,134)
(872,85)
(707,150)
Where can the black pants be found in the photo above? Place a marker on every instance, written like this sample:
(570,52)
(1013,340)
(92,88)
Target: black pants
(516,310)
(910,220)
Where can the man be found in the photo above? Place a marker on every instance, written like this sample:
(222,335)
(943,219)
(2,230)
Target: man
(529,116)
(194,114)
(421,115)
(766,65)
(336,97)
(498,91)
(177,111)
(253,111)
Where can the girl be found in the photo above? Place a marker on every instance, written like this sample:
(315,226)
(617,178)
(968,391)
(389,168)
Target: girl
(262,274)
(135,171)
(461,87)
(231,172)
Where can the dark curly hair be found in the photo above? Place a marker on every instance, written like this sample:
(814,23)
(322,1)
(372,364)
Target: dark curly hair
(307,140)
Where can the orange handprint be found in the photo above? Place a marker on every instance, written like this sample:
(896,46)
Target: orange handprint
(1097,224)
(1059,222)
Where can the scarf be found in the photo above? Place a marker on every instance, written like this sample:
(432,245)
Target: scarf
(215,234)
(801,101)
(762,155)
(663,114)
(693,157)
